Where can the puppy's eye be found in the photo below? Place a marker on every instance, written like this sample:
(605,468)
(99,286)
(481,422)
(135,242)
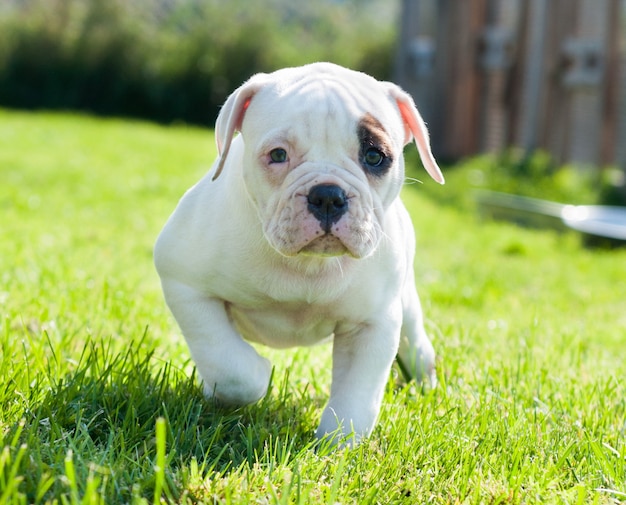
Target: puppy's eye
(278,155)
(373,157)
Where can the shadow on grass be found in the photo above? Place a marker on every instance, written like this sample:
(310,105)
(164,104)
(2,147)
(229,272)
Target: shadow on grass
(105,413)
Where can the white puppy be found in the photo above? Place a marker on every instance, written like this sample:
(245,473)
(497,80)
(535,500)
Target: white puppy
(297,234)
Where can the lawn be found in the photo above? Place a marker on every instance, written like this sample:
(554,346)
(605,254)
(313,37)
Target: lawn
(98,398)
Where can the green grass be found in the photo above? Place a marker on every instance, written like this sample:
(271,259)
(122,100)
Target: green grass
(98,398)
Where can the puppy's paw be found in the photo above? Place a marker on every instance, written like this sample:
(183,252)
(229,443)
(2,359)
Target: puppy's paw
(417,362)
(327,442)
(239,385)
(342,430)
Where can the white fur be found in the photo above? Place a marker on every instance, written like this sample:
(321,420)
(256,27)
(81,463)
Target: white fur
(242,258)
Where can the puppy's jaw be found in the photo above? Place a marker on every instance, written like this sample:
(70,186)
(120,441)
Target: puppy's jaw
(326,245)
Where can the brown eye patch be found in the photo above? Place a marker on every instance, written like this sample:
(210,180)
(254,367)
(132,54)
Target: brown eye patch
(374,146)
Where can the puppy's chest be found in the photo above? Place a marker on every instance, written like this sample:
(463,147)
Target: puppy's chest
(284,326)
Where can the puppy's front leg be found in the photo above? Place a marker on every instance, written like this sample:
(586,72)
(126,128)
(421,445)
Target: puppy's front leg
(230,368)
(361,365)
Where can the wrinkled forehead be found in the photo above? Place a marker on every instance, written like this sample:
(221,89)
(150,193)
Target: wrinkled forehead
(319,102)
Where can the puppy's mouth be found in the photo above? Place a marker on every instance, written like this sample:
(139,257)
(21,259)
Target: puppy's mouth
(326,245)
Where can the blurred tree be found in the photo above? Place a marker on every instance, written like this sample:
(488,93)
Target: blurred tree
(176,59)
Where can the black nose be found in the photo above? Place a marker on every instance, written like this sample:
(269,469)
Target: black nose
(327,202)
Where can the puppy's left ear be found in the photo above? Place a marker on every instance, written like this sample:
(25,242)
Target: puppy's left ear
(231,117)
(415,127)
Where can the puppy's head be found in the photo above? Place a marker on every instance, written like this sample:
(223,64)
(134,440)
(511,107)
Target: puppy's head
(322,155)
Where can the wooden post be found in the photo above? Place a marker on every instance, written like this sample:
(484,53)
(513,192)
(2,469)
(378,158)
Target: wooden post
(460,78)
(531,91)
(498,42)
(613,83)
(583,80)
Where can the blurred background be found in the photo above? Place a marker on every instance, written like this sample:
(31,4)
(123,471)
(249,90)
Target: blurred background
(176,60)
(547,74)
(487,75)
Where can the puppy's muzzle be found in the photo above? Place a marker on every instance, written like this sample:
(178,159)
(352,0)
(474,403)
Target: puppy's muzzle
(327,203)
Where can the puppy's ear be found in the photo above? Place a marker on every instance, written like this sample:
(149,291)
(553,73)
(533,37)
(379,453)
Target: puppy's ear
(231,117)
(414,127)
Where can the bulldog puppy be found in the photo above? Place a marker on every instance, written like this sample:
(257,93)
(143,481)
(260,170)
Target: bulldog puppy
(297,235)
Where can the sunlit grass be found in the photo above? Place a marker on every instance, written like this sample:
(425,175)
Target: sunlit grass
(99,402)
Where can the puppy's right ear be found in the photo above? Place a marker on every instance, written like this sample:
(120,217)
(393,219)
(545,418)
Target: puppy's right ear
(231,117)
